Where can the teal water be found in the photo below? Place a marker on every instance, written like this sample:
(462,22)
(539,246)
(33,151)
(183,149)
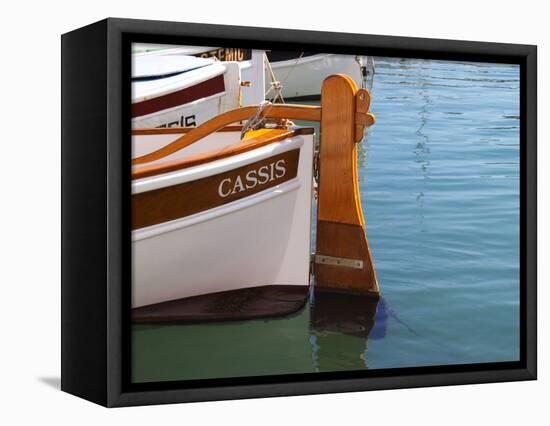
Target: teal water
(439,181)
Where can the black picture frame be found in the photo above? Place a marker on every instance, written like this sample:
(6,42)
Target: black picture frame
(96,212)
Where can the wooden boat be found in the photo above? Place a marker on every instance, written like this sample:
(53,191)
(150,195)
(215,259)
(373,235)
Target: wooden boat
(221,224)
(182,91)
(299,74)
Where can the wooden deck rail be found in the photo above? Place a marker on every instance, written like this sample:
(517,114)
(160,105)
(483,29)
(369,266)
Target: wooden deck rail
(296,112)
(269,137)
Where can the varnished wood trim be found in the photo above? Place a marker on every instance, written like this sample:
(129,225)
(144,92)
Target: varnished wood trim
(178,130)
(340,221)
(274,135)
(282,111)
(177,201)
(338,153)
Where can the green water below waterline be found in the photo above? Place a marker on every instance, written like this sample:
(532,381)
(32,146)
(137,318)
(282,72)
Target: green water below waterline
(439,181)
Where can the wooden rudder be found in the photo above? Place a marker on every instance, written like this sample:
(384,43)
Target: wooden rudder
(343,261)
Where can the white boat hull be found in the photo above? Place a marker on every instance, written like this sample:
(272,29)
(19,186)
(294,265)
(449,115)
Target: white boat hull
(258,240)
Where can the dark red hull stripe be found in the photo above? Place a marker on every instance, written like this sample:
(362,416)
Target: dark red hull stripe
(189,94)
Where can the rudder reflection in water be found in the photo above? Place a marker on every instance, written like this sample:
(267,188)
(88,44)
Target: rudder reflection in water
(334,318)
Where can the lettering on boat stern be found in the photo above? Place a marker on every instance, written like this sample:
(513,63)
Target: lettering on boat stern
(227,54)
(177,201)
(184,121)
(261,176)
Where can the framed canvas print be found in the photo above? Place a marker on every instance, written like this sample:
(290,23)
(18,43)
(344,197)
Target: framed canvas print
(252,212)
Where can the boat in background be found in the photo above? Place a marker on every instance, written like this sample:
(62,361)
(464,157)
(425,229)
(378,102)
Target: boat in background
(251,64)
(182,91)
(297,76)
(301,74)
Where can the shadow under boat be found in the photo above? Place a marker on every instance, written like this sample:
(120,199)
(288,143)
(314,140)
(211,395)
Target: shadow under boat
(330,312)
(267,301)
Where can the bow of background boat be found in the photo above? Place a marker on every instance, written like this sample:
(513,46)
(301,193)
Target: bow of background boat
(171,88)
(182,91)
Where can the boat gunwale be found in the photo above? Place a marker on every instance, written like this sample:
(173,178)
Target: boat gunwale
(277,111)
(216,167)
(179,130)
(240,147)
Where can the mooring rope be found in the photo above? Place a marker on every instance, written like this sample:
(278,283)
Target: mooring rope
(254,122)
(258,120)
(274,84)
